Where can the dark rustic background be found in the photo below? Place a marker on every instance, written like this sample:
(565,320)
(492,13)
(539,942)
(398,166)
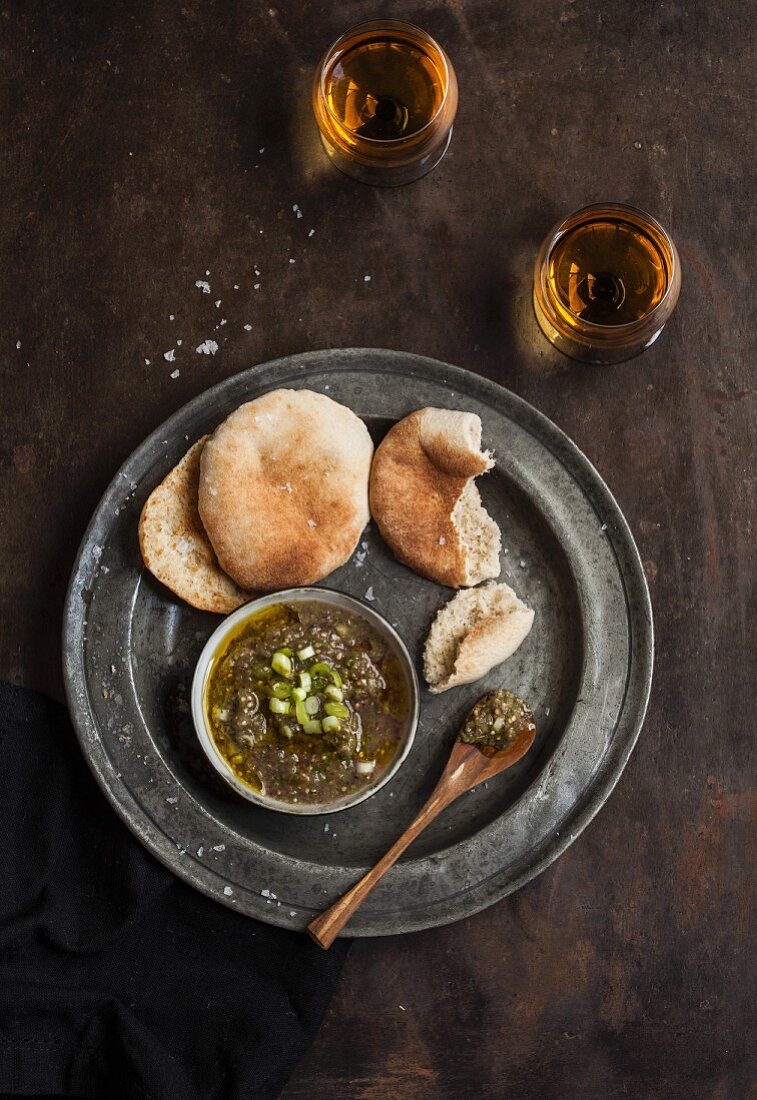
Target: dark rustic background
(147,143)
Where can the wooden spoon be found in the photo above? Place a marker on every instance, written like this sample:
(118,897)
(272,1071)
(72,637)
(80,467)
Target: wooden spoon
(470,763)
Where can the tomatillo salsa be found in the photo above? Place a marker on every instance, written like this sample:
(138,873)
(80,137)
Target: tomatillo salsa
(306,703)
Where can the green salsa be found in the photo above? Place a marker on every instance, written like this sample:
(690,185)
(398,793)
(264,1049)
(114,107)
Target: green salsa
(306,703)
(496,720)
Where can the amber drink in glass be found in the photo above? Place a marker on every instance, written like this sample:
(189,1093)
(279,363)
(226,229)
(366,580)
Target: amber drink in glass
(606,280)
(385,98)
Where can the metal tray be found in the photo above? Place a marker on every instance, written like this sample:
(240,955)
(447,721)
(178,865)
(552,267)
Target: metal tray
(130,647)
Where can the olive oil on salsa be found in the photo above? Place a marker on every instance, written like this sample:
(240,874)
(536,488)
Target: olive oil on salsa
(306,703)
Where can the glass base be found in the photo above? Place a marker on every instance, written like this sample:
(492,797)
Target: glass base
(386,175)
(588,353)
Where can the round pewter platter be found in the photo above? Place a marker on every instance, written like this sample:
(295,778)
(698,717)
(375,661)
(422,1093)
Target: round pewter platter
(130,648)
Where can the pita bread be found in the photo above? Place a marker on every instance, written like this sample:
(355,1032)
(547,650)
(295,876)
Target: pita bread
(284,488)
(175,547)
(475,631)
(426,503)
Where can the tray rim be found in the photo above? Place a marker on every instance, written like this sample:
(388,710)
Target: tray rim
(562,448)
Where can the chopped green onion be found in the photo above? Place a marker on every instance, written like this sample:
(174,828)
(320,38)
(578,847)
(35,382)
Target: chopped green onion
(306,681)
(286,650)
(279,706)
(335,693)
(337,710)
(299,694)
(312,704)
(330,724)
(312,726)
(281,689)
(302,714)
(280,663)
(305,653)
(287,731)
(319,683)
(322,669)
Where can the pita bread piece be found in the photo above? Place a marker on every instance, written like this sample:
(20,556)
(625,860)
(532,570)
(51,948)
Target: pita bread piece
(175,547)
(426,503)
(475,631)
(284,488)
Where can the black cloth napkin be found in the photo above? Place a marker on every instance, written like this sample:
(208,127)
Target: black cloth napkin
(117,979)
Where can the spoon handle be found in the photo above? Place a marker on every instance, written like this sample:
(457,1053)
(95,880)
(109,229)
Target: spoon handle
(325,928)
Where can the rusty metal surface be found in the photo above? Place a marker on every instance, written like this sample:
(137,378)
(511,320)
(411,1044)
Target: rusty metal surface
(131,165)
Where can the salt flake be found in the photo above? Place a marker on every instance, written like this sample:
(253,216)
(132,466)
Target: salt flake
(228,891)
(207,347)
(369,594)
(203,286)
(175,373)
(169,356)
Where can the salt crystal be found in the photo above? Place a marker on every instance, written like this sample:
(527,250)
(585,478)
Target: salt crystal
(262,150)
(369,594)
(172,801)
(287,486)
(228,891)
(18,345)
(366,278)
(603,527)
(171,317)
(256,270)
(217,304)
(291,260)
(311,233)
(236,286)
(248,328)
(207,347)
(546,711)
(266,893)
(203,286)
(326,827)
(179,343)
(442,540)
(522,563)
(223,322)
(200,851)
(147,362)
(169,356)
(296,210)
(174,374)
(256,286)
(312,523)
(207,273)
(292,913)
(219,847)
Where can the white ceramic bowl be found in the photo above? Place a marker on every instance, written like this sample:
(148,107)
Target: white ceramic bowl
(289,596)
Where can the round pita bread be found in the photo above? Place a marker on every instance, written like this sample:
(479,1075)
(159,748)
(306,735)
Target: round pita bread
(175,547)
(284,489)
(426,503)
